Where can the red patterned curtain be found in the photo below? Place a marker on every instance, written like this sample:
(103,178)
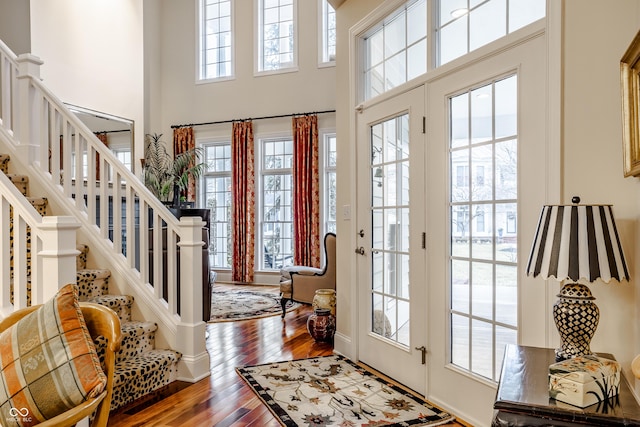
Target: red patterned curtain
(183,140)
(243,201)
(306,192)
(102,136)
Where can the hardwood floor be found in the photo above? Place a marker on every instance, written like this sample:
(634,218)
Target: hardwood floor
(223,399)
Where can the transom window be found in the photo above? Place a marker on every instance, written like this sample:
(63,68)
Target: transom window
(465,25)
(277,34)
(397,50)
(216,49)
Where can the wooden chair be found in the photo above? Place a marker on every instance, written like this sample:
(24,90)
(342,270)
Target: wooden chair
(300,283)
(100,321)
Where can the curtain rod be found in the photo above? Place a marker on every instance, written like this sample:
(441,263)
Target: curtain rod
(254,118)
(112,131)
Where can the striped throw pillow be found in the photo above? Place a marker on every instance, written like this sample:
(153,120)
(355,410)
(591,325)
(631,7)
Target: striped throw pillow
(48,362)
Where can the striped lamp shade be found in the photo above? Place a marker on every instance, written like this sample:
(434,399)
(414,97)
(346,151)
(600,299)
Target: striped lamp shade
(577,242)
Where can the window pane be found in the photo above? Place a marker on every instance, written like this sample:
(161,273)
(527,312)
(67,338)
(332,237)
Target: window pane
(328,32)
(453,40)
(483,210)
(277,41)
(330,189)
(386,62)
(460,286)
(277,220)
(394,36)
(480,33)
(482,348)
(417,60)
(450,9)
(215,54)
(481,114)
(506,169)
(416,22)
(462,30)
(524,12)
(460,341)
(217,197)
(507,294)
(506,107)
(395,71)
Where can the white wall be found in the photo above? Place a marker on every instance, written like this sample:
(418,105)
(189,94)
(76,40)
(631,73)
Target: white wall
(93,55)
(592,148)
(183,101)
(14,25)
(348,14)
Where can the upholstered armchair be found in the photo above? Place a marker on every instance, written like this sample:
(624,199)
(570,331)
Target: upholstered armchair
(300,283)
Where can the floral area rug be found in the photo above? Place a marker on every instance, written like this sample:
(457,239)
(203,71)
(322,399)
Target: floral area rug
(333,391)
(228,306)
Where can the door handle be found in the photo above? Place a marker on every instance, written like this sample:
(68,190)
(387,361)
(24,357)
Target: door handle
(360,251)
(423,349)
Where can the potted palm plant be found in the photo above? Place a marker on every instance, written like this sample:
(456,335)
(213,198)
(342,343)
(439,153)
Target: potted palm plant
(167,176)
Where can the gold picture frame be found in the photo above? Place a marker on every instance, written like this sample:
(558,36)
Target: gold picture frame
(630,86)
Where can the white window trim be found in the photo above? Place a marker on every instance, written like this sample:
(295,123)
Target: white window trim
(257,56)
(198,45)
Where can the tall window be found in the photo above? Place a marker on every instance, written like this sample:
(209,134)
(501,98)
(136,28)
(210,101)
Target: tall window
(217,196)
(216,49)
(395,51)
(483,261)
(276,225)
(329,201)
(277,34)
(328,37)
(465,25)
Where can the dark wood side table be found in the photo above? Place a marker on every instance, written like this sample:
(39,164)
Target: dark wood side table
(523,399)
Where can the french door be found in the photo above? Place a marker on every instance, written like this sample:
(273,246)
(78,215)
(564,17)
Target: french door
(391,218)
(486,183)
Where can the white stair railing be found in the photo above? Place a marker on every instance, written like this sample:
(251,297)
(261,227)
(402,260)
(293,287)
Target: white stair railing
(136,233)
(31,245)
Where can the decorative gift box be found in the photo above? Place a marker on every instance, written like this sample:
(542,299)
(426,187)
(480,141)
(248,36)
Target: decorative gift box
(584,380)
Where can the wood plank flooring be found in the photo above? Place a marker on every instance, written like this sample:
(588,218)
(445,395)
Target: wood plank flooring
(223,399)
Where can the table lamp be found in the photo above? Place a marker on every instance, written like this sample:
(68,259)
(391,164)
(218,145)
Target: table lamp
(575,242)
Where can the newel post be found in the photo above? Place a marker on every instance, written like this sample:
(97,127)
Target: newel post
(57,257)
(29,109)
(190,333)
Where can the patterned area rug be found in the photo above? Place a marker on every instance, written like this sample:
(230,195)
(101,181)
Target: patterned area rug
(228,306)
(333,391)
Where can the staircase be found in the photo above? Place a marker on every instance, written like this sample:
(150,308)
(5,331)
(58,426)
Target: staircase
(140,367)
(58,156)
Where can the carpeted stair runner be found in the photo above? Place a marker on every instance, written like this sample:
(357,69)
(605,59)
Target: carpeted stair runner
(140,367)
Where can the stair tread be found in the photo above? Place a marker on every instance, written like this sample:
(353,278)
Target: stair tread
(19,177)
(101,272)
(146,362)
(137,327)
